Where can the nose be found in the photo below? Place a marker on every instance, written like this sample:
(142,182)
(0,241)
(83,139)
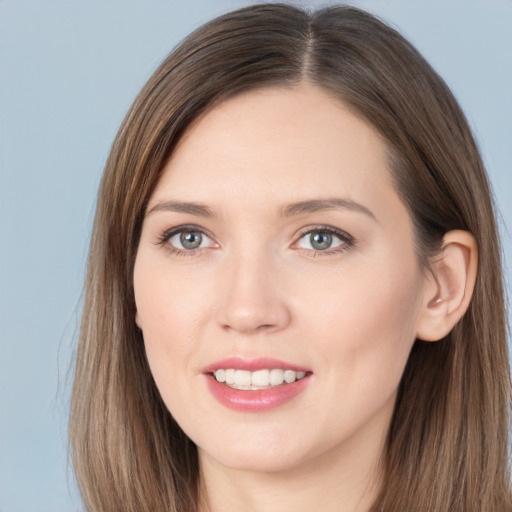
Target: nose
(252,299)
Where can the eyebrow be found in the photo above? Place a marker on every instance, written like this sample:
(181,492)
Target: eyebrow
(290,210)
(317,205)
(198,209)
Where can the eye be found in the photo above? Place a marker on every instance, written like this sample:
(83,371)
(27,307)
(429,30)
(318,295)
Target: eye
(188,240)
(185,240)
(326,240)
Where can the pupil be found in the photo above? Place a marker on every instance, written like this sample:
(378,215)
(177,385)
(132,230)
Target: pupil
(190,239)
(320,240)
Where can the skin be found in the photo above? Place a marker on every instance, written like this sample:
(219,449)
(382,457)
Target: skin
(257,288)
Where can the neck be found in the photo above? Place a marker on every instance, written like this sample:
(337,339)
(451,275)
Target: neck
(345,479)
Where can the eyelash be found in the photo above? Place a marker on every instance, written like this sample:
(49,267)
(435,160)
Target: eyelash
(347,240)
(168,234)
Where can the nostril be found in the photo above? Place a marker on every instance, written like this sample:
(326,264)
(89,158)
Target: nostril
(265,327)
(238,328)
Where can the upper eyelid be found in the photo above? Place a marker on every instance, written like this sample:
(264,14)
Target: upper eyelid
(164,238)
(330,229)
(348,241)
(168,233)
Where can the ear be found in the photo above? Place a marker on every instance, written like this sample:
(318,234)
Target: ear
(449,287)
(137,320)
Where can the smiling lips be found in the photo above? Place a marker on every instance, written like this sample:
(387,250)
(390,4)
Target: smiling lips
(255,385)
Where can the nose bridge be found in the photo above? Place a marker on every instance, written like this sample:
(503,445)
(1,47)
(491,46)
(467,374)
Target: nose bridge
(252,299)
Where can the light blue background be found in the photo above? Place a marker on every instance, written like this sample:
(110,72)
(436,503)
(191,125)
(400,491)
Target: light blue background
(68,72)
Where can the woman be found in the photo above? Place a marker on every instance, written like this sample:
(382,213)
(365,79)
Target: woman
(294,295)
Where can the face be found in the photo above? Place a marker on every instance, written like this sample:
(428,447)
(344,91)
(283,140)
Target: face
(275,247)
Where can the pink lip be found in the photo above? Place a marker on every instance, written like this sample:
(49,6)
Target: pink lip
(255,400)
(252,365)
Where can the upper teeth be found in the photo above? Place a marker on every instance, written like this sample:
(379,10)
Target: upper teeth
(243,379)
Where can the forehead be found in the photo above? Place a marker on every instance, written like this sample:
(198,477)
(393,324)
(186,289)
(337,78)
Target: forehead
(283,144)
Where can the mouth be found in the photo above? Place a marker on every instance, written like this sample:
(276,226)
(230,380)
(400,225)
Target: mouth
(257,384)
(260,379)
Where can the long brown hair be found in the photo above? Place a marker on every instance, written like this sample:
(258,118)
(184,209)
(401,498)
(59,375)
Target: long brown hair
(447,446)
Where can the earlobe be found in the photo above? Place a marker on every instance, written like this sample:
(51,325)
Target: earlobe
(449,289)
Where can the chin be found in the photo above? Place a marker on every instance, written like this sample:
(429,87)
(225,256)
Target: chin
(253,460)
(255,450)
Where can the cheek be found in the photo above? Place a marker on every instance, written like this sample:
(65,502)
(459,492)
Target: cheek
(361,334)
(175,311)
(168,303)
(365,325)
(168,318)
